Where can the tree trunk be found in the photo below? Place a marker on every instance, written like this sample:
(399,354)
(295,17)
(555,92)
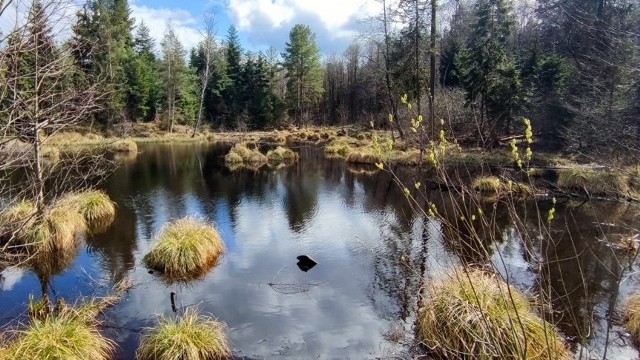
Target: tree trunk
(432,70)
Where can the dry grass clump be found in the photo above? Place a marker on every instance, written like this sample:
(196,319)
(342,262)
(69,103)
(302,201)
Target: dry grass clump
(67,332)
(337,149)
(493,185)
(281,154)
(186,249)
(56,227)
(486,184)
(364,156)
(95,206)
(241,153)
(471,314)
(593,182)
(123,146)
(632,316)
(73,138)
(64,331)
(190,336)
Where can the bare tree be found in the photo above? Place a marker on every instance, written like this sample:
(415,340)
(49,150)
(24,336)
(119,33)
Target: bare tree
(40,96)
(208,48)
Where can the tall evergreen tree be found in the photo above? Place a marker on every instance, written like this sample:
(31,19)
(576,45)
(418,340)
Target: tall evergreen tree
(489,72)
(143,77)
(233,57)
(304,72)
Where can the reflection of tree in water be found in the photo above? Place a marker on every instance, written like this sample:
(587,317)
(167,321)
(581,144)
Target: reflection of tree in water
(581,270)
(117,245)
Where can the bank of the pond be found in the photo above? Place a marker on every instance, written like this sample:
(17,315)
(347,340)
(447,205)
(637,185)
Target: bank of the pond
(267,217)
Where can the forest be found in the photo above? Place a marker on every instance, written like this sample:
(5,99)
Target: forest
(461,182)
(571,67)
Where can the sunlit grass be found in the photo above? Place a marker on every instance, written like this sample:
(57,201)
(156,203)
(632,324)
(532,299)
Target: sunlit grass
(189,336)
(593,182)
(281,154)
(242,153)
(364,156)
(64,331)
(123,146)
(471,314)
(56,226)
(632,316)
(493,185)
(95,206)
(68,333)
(185,249)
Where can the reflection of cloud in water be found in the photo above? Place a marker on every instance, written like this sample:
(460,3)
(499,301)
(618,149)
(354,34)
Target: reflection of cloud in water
(10,277)
(334,318)
(509,260)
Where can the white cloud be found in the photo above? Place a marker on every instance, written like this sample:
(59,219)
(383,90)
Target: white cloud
(60,16)
(157,19)
(268,22)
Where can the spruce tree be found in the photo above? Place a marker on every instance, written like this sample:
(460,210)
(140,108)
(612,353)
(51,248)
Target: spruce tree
(304,72)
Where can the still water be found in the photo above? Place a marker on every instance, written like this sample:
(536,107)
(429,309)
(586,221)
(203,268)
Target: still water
(360,301)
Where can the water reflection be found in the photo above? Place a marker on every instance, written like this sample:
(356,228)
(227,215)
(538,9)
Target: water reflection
(374,251)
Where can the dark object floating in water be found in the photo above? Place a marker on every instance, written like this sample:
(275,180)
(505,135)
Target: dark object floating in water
(306,263)
(173,302)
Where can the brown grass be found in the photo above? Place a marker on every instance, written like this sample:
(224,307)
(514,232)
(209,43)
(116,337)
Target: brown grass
(471,314)
(185,249)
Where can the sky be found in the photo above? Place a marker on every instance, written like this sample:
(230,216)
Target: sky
(260,23)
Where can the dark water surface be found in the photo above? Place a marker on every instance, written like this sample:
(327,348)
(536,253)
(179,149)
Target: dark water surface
(360,300)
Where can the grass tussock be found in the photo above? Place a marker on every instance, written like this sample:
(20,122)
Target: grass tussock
(493,185)
(632,316)
(185,249)
(95,206)
(63,336)
(55,228)
(593,182)
(241,153)
(281,154)
(190,336)
(364,156)
(64,331)
(124,146)
(477,315)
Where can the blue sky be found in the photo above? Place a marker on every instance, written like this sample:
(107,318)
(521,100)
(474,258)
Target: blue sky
(260,23)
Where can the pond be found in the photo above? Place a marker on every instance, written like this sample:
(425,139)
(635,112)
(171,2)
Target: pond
(360,300)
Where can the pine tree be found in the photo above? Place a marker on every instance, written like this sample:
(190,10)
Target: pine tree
(304,72)
(233,57)
(143,76)
(489,72)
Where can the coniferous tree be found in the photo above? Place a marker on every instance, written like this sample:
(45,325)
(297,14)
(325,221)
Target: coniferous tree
(304,72)
(233,57)
(143,76)
(489,72)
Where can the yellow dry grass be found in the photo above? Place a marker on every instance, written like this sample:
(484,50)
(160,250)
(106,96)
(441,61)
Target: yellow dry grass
(185,249)
(471,314)
(189,336)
